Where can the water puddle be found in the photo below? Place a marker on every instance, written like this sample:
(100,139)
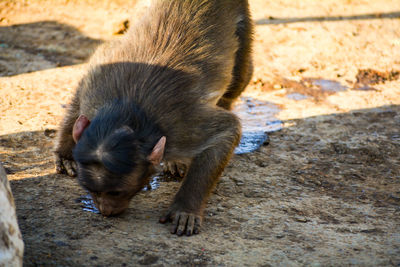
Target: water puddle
(87,203)
(329,85)
(314,88)
(156,180)
(251,141)
(296,96)
(154,183)
(160,177)
(364,88)
(258,119)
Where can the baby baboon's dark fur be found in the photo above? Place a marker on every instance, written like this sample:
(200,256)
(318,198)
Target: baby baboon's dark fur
(162,92)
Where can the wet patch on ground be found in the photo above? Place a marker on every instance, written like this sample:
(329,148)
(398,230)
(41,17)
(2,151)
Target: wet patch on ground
(87,203)
(258,118)
(306,87)
(319,88)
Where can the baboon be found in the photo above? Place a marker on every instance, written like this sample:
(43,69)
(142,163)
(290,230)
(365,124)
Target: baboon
(161,93)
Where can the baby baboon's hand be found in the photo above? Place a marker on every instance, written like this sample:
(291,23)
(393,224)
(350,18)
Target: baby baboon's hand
(183,222)
(65,165)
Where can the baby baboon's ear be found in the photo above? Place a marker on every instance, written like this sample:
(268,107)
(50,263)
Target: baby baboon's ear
(157,154)
(80,125)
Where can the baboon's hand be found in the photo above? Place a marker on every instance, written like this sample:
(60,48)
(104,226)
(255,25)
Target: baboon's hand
(65,165)
(175,169)
(183,222)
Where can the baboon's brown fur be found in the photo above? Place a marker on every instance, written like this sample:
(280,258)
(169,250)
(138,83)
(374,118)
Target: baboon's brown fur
(174,74)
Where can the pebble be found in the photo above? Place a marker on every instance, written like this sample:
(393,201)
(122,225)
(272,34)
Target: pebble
(280,236)
(301,219)
(220,209)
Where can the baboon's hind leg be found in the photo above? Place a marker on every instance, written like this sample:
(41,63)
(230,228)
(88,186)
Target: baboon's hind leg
(243,68)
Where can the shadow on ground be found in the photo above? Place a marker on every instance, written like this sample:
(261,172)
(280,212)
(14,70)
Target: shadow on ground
(43,45)
(332,177)
(275,20)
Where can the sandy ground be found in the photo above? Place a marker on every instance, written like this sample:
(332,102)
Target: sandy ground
(325,191)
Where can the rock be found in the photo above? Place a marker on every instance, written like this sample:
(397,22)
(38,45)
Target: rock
(149,259)
(279,236)
(301,219)
(11,244)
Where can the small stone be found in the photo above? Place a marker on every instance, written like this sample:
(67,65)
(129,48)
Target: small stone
(279,236)
(262,164)
(301,219)
(301,70)
(149,259)
(300,180)
(220,209)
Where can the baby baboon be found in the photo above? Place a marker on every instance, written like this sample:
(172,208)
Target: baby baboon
(161,93)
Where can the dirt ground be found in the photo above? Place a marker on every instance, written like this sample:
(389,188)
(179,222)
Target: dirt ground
(325,191)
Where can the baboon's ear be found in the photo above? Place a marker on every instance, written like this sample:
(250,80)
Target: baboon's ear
(80,125)
(157,154)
